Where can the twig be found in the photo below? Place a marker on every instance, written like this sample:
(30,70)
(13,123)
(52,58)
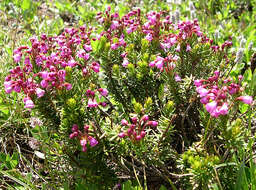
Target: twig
(166,130)
(217,178)
(135,173)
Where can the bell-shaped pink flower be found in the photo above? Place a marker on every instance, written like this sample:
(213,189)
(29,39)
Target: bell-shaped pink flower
(245,99)
(39,92)
(152,123)
(8,87)
(224,109)
(121,135)
(103,91)
(83,142)
(210,107)
(202,91)
(28,103)
(92,103)
(124,122)
(197,83)
(93,141)
(125,62)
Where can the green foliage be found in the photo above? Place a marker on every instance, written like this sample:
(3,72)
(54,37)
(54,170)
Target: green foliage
(188,149)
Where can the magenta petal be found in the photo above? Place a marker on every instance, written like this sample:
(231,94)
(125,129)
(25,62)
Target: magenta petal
(246,99)
(83,142)
(210,107)
(121,135)
(93,141)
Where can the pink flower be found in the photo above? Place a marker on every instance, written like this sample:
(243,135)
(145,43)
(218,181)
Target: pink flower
(152,64)
(134,120)
(149,37)
(204,100)
(93,141)
(44,83)
(159,62)
(92,103)
(145,118)
(74,134)
(84,148)
(85,71)
(177,78)
(153,123)
(28,103)
(124,122)
(188,48)
(68,86)
(17,88)
(125,62)
(83,142)
(95,67)
(197,83)
(223,110)
(8,86)
(202,91)
(39,92)
(83,54)
(129,30)
(74,128)
(114,46)
(143,134)
(245,99)
(121,135)
(72,63)
(114,25)
(178,48)
(210,107)
(87,48)
(103,91)
(17,57)
(138,137)
(44,74)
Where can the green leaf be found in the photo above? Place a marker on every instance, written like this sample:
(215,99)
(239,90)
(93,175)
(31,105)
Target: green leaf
(161,92)
(243,107)
(163,188)
(241,182)
(2,157)
(127,185)
(4,109)
(248,75)
(13,164)
(25,4)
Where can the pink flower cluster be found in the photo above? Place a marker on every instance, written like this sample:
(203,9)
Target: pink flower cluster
(167,63)
(92,103)
(44,63)
(218,95)
(84,137)
(136,130)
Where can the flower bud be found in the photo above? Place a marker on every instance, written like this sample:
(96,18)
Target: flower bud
(152,123)
(145,118)
(86,128)
(134,120)
(75,128)
(121,135)
(138,137)
(143,134)
(124,122)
